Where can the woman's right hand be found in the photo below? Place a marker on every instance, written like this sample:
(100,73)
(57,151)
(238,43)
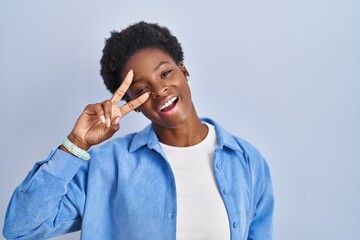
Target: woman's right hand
(98,122)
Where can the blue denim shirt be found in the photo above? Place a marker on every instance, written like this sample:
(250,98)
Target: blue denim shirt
(127,191)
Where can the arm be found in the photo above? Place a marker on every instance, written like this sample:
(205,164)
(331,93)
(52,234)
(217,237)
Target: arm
(261,225)
(49,201)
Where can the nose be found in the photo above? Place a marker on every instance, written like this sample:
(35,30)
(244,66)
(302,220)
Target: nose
(158,92)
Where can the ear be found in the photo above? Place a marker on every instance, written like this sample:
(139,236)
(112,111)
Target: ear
(184,70)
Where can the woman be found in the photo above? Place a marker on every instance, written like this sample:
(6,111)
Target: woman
(181,177)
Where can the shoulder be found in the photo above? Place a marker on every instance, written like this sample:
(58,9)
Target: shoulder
(233,142)
(253,164)
(250,151)
(109,156)
(251,155)
(258,168)
(124,146)
(119,143)
(254,159)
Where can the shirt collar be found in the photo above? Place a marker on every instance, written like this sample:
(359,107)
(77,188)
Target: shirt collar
(145,137)
(224,138)
(148,137)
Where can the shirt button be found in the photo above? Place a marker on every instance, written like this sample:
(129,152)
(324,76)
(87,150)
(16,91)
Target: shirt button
(226,192)
(218,166)
(235,224)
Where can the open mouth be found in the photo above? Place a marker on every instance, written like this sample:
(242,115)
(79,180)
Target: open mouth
(169,104)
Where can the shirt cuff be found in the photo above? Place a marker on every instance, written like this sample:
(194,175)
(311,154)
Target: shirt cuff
(62,165)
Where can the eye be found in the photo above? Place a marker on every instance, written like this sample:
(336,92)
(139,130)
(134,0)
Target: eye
(140,90)
(166,73)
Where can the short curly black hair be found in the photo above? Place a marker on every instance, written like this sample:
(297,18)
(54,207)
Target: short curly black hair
(122,45)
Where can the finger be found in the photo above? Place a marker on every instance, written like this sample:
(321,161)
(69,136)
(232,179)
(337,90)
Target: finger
(100,112)
(95,109)
(109,131)
(115,127)
(128,107)
(107,106)
(116,121)
(115,124)
(120,92)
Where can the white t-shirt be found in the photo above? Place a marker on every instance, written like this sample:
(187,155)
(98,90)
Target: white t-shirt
(201,213)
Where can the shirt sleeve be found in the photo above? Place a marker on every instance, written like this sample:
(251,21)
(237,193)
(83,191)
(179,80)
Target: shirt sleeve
(49,201)
(261,225)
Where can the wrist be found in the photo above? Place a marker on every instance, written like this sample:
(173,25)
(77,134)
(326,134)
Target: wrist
(65,149)
(75,150)
(78,142)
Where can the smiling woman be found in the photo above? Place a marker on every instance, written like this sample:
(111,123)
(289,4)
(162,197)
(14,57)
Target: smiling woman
(182,177)
(169,107)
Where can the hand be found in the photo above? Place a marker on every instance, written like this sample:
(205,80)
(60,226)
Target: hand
(100,121)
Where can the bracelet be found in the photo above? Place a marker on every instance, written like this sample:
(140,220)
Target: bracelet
(78,152)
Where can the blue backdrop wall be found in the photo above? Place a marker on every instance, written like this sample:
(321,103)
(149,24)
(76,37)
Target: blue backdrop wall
(282,74)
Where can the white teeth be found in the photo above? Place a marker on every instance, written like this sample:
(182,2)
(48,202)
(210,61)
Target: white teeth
(165,105)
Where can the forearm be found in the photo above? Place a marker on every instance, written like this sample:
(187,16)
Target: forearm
(37,204)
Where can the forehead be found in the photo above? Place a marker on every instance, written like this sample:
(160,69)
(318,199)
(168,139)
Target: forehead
(147,59)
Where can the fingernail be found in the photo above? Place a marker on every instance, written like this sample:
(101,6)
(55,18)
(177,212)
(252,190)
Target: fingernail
(102,118)
(116,121)
(108,122)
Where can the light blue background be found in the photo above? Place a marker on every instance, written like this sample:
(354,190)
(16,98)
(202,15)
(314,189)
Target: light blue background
(283,74)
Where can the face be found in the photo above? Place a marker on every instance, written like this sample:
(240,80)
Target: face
(169,104)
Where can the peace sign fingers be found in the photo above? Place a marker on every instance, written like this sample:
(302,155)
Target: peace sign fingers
(120,92)
(99,121)
(129,106)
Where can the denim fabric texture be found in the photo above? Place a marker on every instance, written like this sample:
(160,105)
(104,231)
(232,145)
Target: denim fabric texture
(127,191)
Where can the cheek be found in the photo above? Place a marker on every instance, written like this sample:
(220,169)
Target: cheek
(146,106)
(186,89)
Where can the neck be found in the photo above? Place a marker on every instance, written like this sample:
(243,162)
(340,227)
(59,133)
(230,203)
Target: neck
(188,134)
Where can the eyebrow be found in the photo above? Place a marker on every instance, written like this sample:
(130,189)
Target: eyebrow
(160,63)
(156,68)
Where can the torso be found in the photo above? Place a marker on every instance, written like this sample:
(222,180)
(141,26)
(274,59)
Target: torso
(201,213)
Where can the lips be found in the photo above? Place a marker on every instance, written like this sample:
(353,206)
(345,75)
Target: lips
(167,104)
